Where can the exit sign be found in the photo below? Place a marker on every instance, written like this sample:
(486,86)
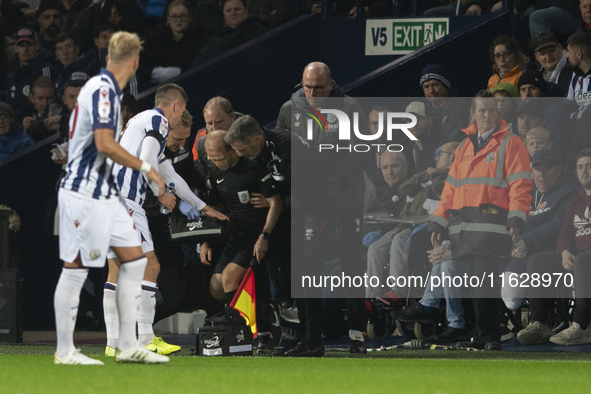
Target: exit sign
(402,36)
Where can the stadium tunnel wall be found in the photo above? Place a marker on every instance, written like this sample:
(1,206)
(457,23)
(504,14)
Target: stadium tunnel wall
(261,74)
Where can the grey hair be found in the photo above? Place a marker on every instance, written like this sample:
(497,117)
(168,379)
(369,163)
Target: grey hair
(242,130)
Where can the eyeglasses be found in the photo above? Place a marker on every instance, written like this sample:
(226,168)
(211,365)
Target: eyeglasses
(504,55)
(506,100)
(180,17)
(316,89)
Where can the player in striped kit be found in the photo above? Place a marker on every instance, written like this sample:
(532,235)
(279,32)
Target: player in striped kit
(93,216)
(145,137)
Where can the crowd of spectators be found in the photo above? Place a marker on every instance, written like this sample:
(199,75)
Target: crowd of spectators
(533,115)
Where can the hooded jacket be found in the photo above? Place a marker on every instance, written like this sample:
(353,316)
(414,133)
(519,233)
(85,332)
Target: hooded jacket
(547,212)
(486,192)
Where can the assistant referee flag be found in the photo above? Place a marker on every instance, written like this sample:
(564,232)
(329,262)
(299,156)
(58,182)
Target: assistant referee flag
(244,301)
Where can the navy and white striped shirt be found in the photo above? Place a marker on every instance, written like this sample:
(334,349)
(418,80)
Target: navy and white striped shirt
(98,106)
(150,123)
(580,90)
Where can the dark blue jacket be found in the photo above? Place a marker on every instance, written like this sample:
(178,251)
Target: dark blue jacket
(13,141)
(547,212)
(20,79)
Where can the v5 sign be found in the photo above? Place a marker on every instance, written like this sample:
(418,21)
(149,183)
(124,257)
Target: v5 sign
(402,36)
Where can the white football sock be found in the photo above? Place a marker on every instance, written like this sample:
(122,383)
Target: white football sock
(146,312)
(129,289)
(65,303)
(111,314)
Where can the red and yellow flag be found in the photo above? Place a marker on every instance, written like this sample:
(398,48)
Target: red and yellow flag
(245,301)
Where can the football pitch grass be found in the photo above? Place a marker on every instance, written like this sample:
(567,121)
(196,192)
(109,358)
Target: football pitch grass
(30,369)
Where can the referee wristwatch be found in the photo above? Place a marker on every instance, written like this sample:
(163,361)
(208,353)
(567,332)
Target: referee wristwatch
(265,235)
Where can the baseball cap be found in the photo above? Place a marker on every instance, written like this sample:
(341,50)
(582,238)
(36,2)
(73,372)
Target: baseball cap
(543,40)
(417,108)
(6,109)
(25,34)
(545,157)
(531,108)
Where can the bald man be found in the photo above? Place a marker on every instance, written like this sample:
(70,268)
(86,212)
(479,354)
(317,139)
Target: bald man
(237,179)
(320,91)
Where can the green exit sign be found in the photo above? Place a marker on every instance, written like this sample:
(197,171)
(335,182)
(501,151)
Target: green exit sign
(402,36)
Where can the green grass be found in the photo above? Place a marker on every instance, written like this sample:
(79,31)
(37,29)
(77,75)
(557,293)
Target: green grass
(30,369)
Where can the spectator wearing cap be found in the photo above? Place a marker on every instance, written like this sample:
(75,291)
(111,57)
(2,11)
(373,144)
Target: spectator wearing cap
(50,23)
(554,186)
(573,256)
(58,116)
(450,113)
(429,138)
(12,138)
(32,63)
(40,98)
(556,114)
(506,96)
(68,56)
(508,61)
(552,58)
(537,138)
(529,115)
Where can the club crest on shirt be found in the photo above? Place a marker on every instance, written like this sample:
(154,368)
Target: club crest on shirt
(244,197)
(490,157)
(95,254)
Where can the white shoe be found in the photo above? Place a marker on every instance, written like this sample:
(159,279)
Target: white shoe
(574,335)
(76,358)
(536,333)
(140,355)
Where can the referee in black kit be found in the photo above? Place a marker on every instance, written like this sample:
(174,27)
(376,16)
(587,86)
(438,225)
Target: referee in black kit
(272,149)
(236,179)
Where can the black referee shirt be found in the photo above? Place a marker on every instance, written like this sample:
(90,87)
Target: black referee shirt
(236,186)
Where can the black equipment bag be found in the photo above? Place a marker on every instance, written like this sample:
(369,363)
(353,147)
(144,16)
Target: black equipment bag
(200,230)
(11,330)
(225,334)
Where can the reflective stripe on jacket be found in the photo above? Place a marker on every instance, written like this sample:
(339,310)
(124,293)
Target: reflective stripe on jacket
(485,193)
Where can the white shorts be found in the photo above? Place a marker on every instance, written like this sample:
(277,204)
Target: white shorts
(89,226)
(140,220)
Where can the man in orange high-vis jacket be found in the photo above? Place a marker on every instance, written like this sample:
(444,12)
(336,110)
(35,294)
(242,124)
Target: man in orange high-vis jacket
(484,206)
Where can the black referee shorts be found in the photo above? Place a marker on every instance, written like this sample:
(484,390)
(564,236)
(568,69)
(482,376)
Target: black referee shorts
(238,249)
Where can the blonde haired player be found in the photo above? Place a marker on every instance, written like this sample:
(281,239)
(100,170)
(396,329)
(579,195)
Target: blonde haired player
(146,136)
(93,216)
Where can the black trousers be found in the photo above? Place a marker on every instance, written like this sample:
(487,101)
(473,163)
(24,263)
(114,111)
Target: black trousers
(541,298)
(487,303)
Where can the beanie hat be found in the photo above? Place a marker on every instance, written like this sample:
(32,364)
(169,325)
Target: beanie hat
(507,87)
(532,77)
(435,71)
